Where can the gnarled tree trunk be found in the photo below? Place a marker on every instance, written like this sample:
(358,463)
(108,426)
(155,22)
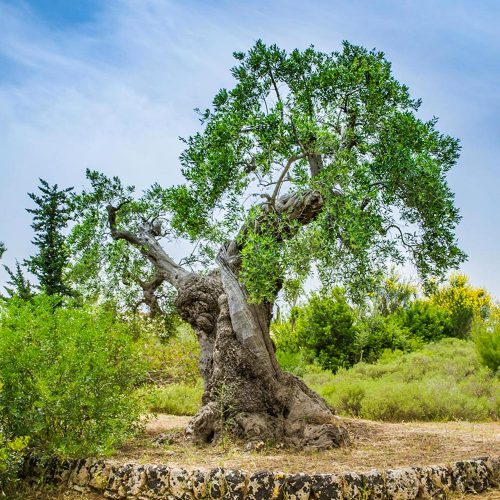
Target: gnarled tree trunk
(245,391)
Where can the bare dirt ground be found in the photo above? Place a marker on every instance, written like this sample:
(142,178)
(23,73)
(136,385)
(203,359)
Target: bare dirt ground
(375,445)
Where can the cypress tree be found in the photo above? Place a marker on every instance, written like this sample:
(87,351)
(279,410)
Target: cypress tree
(19,285)
(50,217)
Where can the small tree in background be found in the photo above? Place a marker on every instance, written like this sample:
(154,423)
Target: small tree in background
(50,218)
(393,294)
(326,326)
(18,285)
(2,249)
(486,337)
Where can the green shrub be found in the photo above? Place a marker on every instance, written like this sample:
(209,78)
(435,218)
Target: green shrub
(293,362)
(463,302)
(426,321)
(67,377)
(11,459)
(377,334)
(486,337)
(173,399)
(325,326)
(442,381)
(284,333)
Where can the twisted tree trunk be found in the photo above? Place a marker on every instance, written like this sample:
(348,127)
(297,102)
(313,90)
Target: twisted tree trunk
(245,391)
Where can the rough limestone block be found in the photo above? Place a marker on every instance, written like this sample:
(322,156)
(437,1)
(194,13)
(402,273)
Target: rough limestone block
(326,487)
(62,470)
(373,485)
(199,482)
(352,485)
(431,482)
(441,479)
(111,494)
(479,475)
(157,481)
(136,483)
(80,475)
(265,485)
(469,476)
(180,484)
(402,484)
(493,465)
(217,483)
(99,476)
(298,487)
(236,483)
(117,481)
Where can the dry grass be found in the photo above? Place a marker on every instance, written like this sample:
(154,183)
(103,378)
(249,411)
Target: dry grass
(375,445)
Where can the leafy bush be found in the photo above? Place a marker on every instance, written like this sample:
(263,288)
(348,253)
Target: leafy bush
(11,459)
(326,327)
(443,381)
(463,302)
(294,362)
(393,294)
(486,337)
(377,333)
(426,321)
(67,377)
(174,399)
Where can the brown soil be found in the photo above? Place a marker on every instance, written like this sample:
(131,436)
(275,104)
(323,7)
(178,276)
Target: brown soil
(375,445)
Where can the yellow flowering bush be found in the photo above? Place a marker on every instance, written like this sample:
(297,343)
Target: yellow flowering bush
(463,302)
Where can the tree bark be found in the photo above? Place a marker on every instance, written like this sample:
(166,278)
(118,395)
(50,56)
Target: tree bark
(245,391)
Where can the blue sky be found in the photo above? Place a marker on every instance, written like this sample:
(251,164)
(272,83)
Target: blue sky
(111,84)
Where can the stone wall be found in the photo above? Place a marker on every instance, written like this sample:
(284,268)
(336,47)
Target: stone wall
(133,481)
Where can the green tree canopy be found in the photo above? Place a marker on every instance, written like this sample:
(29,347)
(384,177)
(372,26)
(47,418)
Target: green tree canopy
(335,127)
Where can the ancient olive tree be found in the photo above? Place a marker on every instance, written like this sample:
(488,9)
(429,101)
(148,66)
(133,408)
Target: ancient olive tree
(311,161)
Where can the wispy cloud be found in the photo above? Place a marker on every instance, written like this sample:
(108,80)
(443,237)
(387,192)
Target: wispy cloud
(114,93)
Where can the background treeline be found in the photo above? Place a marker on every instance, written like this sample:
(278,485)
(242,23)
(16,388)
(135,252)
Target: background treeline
(333,333)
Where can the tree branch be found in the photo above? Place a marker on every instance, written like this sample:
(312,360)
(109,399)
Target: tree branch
(281,178)
(401,234)
(145,241)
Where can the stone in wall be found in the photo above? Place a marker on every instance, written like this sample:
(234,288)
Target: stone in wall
(373,485)
(401,484)
(326,487)
(265,485)
(298,486)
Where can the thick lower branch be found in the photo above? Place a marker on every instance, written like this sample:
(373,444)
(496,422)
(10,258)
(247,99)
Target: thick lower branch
(145,240)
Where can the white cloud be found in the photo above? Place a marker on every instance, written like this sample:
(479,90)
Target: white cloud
(116,93)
